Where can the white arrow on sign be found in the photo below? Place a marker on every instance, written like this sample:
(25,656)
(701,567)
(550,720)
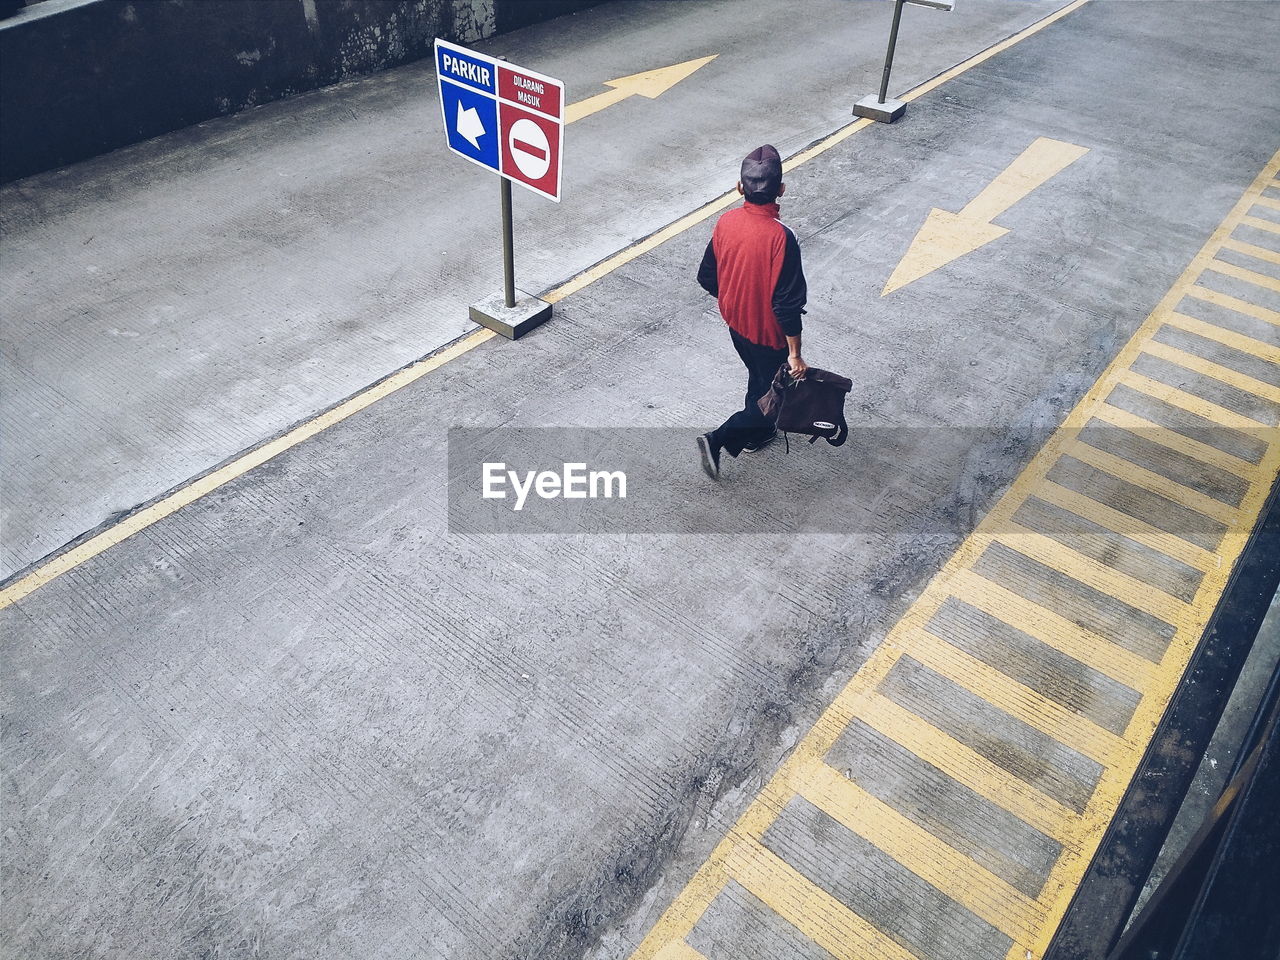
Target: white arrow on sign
(470,126)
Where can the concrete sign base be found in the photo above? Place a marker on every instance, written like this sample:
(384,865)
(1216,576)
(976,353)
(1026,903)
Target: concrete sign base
(512,322)
(886,112)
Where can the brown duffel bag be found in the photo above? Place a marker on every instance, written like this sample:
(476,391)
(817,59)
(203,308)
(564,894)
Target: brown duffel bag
(813,405)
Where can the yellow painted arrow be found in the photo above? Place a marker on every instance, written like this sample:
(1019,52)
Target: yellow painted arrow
(949,236)
(651,84)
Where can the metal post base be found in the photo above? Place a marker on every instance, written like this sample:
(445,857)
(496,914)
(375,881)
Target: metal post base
(512,322)
(871,108)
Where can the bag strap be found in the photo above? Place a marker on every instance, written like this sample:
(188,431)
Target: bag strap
(842,434)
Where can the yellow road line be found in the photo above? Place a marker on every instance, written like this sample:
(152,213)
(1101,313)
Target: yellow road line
(1190,402)
(964,881)
(1019,701)
(810,909)
(1136,530)
(1083,569)
(1245,307)
(1171,439)
(623,257)
(1266,201)
(1052,629)
(1252,249)
(990,52)
(68,560)
(703,887)
(236,468)
(1241,381)
(1156,483)
(1245,274)
(970,768)
(679,950)
(1262,224)
(1228,338)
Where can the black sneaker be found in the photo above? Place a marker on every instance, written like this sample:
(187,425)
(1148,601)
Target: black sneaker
(710,456)
(760,444)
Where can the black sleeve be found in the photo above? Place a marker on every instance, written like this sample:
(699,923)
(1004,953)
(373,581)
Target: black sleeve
(790,294)
(708,278)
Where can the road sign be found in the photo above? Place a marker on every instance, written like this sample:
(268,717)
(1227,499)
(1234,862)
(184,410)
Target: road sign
(503,117)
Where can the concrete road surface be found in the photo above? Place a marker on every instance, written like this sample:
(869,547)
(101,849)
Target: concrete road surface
(172,303)
(307,716)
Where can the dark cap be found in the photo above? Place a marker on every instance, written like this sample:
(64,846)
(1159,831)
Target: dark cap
(762,171)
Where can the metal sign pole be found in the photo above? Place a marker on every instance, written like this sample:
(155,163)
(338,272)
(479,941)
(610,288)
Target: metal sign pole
(508,244)
(509,120)
(508,247)
(512,313)
(880,107)
(893,42)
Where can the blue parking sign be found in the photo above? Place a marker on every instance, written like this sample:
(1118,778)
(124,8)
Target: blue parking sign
(465,67)
(471,123)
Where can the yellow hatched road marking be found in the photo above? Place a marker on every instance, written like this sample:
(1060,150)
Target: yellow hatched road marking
(1233,303)
(1141,477)
(1266,201)
(1020,702)
(1245,274)
(967,766)
(1252,249)
(837,929)
(679,950)
(806,906)
(703,887)
(1229,338)
(1195,449)
(1190,402)
(1122,523)
(954,874)
(1054,630)
(1261,224)
(1234,378)
(1101,577)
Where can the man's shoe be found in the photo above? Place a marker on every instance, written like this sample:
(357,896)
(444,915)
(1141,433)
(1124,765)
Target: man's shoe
(760,444)
(710,452)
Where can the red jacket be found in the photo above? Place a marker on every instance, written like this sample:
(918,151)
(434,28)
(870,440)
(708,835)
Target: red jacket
(752,266)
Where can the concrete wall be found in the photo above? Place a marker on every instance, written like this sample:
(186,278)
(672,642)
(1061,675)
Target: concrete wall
(81,77)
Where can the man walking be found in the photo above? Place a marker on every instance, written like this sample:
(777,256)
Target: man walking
(752,266)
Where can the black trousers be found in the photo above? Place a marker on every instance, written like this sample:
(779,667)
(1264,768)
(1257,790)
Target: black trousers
(749,425)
